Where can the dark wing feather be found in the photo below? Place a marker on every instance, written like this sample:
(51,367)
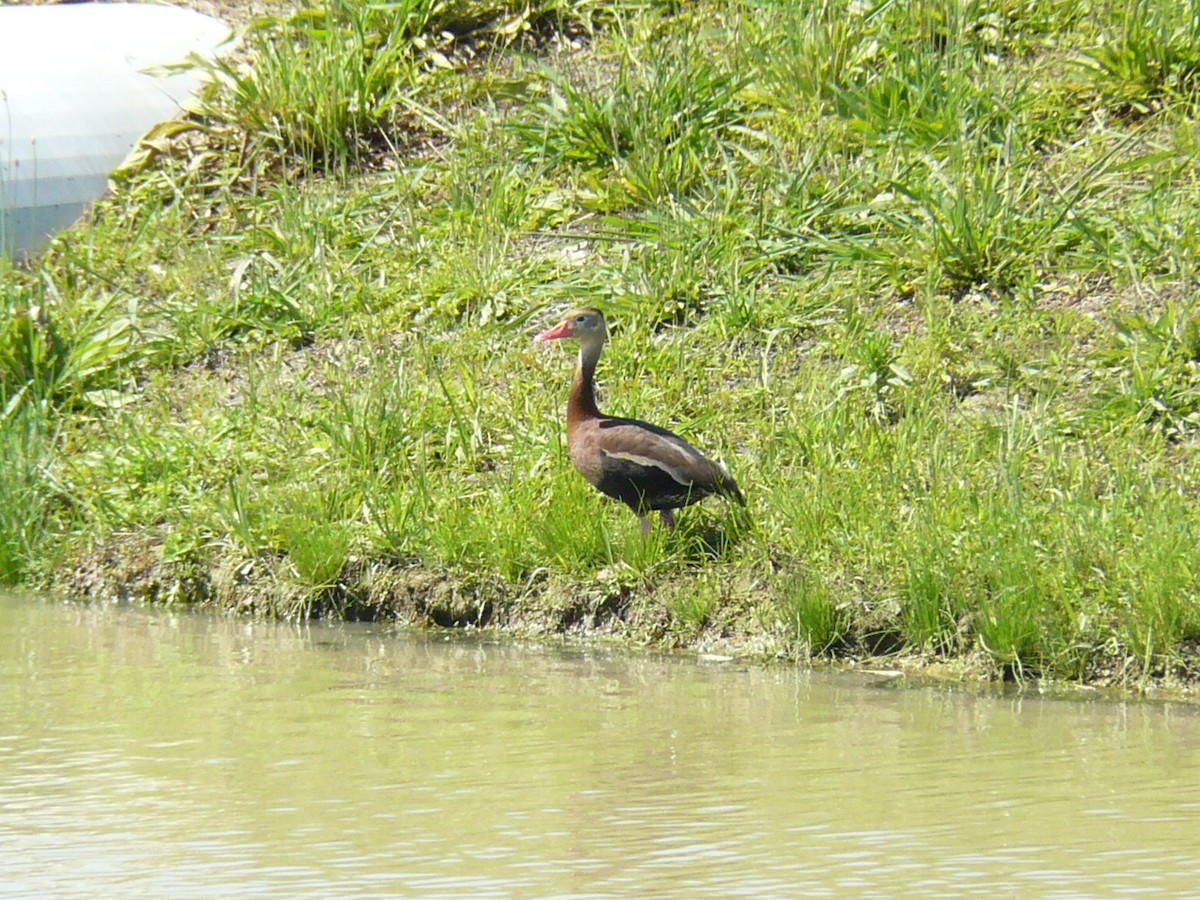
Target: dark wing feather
(648,467)
(643,487)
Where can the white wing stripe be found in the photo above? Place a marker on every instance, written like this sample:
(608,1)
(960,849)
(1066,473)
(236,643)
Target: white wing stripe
(647,461)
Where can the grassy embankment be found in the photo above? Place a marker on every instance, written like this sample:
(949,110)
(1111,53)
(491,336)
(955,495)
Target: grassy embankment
(926,279)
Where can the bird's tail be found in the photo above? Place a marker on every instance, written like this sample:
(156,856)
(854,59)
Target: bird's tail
(729,487)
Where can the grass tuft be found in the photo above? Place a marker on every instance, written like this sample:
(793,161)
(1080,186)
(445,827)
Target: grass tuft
(326,83)
(812,610)
(26,491)
(1148,56)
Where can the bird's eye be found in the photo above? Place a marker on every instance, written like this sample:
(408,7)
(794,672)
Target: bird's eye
(579,320)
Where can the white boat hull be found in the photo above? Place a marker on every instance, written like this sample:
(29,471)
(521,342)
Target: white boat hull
(78,88)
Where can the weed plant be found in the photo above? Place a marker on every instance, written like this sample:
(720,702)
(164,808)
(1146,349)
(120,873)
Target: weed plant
(26,491)
(923,274)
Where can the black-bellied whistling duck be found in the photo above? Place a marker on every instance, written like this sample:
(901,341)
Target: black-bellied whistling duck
(645,467)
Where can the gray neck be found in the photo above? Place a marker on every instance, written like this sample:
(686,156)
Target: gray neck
(583,390)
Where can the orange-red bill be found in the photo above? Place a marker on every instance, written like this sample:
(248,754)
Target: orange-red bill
(559,331)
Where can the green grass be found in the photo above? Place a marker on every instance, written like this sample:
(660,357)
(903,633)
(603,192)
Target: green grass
(337,78)
(26,492)
(922,274)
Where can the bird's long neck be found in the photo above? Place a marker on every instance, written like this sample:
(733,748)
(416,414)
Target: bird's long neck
(582,403)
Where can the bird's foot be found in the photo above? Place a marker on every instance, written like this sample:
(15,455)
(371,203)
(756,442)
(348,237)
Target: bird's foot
(667,516)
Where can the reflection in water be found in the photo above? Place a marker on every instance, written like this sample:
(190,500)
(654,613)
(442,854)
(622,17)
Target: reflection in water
(174,755)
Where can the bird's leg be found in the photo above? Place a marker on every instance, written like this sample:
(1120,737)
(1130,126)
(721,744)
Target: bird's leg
(645,520)
(668,518)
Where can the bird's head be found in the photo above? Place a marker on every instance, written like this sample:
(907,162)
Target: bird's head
(585,324)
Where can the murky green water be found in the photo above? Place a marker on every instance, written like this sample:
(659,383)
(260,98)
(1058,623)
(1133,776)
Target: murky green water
(161,755)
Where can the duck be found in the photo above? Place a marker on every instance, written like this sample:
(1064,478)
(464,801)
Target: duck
(646,467)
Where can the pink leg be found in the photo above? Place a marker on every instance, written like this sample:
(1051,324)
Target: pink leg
(668,517)
(645,525)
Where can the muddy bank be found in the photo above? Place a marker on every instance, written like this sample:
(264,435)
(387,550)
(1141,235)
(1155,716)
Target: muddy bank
(616,607)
